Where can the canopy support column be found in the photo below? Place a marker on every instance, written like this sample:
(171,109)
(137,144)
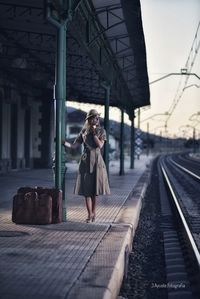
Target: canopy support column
(60,20)
(106,86)
(60,97)
(132,154)
(121,172)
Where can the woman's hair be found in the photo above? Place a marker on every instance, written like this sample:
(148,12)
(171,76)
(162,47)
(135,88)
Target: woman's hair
(86,124)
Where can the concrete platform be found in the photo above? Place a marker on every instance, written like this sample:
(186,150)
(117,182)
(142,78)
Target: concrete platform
(73,259)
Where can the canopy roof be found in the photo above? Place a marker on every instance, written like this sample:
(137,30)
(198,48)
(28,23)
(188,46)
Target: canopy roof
(105,44)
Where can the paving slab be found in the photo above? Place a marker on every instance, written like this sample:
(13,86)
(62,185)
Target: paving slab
(72,259)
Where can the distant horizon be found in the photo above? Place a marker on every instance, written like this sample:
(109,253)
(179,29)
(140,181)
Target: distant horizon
(80,106)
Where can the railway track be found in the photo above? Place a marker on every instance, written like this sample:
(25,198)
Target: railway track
(185,160)
(165,261)
(180,205)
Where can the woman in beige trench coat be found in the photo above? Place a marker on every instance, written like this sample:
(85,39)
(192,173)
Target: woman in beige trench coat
(92,177)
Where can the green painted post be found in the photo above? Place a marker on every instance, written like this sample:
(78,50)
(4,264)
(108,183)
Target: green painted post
(132,155)
(60,21)
(107,126)
(138,155)
(121,172)
(63,132)
(148,139)
(58,145)
(60,95)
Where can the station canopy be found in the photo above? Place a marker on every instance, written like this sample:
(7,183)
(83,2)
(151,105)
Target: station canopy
(105,46)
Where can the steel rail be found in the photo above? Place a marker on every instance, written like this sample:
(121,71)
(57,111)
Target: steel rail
(189,159)
(186,170)
(182,219)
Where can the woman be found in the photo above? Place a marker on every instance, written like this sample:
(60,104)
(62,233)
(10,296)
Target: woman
(92,177)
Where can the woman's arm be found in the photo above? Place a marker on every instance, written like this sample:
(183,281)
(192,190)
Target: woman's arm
(71,145)
(99,142)
(98,139)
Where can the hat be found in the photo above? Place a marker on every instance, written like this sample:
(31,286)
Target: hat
(92,113)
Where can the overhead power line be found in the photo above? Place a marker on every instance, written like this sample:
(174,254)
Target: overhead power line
(188,67)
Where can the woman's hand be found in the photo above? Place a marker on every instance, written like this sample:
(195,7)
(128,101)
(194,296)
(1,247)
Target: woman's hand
(70,145)
(99,142)
(93,129)
(67,144)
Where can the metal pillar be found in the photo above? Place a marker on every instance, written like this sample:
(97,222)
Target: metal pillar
(107,126)
(132,155)
(148,139)
(106,87)
(121,172)
(194,140)
(138,155)
(60,96)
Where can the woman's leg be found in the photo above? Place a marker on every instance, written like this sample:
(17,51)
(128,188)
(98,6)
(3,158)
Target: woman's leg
(88,203)
(94,201)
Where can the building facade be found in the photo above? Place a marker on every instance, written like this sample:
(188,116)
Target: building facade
(26,130)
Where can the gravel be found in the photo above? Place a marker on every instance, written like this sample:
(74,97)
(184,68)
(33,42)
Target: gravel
(146,273)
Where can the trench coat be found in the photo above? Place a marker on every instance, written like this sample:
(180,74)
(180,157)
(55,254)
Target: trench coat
(92,176)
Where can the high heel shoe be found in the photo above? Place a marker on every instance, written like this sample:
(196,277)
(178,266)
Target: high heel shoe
(93,218)
(88,220)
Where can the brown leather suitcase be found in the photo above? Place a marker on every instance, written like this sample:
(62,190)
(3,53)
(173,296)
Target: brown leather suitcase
(56,195)
(27,189)
(56,203)
(21,211)
(32,208)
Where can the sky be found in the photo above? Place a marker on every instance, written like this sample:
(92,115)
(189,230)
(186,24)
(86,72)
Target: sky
(169,30)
